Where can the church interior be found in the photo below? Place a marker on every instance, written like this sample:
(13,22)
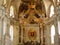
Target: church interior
(29,22)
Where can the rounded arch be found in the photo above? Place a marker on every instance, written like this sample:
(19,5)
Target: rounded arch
(11,32)
(52,34)
(12,11)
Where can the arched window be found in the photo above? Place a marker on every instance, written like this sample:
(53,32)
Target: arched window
(4,2)
(58,0)
(51,10)
(59,27)
(52,34)
(11,32)
(12,11)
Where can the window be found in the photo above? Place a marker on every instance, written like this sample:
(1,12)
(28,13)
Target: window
(4,2)
(11,32)
(51,10)
(57,0)
(12,11)
(52,34)
(59,27)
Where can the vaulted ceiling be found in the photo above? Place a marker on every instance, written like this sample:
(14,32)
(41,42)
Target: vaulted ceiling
(35,7)
(33,10)
(41,6)
(26,4)
(39,3)
(21,5)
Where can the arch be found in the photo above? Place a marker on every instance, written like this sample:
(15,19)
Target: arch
(51,10)
(52,34)
(11,32)
(12,11)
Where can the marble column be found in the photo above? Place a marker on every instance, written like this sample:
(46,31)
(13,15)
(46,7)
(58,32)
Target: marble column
(1,31)
(41,35)
(22,35)
(56,26)
(7,33)
(47,32)
(56,31)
